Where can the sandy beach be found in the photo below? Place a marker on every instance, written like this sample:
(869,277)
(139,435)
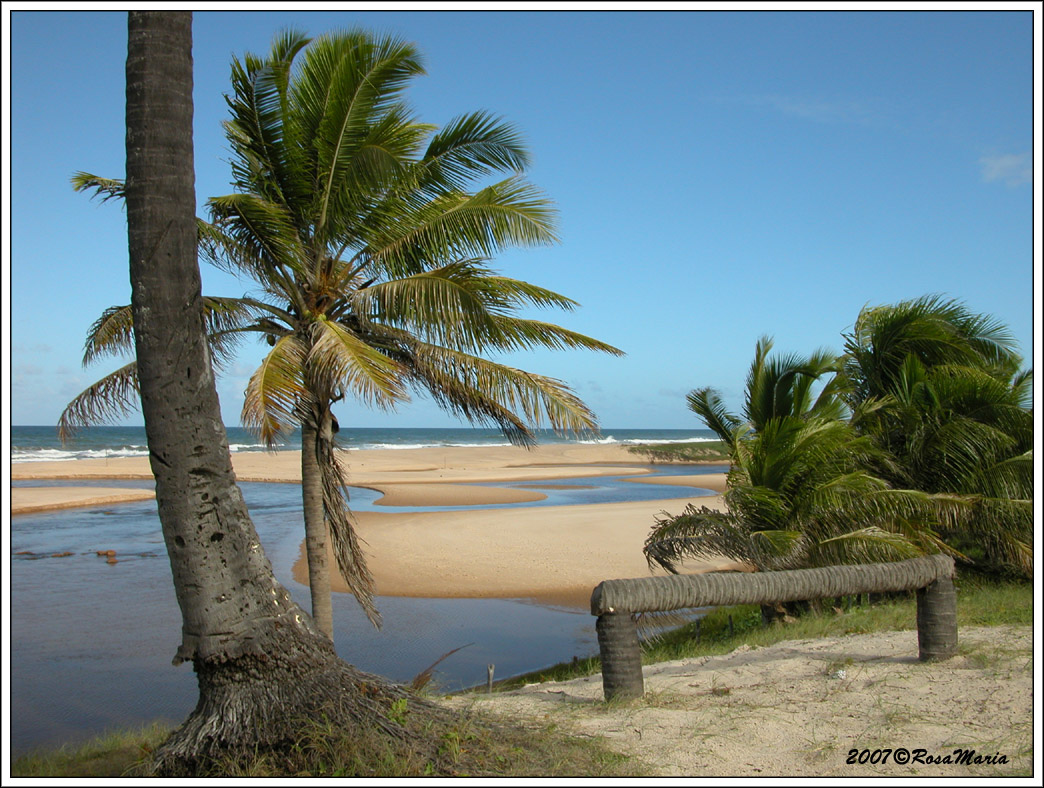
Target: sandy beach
(552,553)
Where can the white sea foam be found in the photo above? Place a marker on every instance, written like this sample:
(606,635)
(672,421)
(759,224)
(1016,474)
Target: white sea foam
(59,455)
(609,439)
(66,455)
(430,445)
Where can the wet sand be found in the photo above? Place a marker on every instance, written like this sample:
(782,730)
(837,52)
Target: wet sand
(552,553)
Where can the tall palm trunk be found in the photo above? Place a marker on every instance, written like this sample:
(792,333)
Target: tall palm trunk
(317,534)
(261,664)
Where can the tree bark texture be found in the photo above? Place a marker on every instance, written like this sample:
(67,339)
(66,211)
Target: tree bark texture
(262,665)
(621,656)
(675,592)
(316,531)
(937,620)
(616,601)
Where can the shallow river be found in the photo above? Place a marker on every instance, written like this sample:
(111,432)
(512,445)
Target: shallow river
(92,642)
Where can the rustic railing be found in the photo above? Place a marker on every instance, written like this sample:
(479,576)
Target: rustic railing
(616,602)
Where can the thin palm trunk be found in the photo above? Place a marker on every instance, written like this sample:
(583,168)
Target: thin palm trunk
(317,534)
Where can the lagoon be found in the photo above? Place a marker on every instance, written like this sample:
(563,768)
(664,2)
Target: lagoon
(92,642)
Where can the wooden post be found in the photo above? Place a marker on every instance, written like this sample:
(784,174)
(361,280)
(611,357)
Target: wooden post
(489,678)
(621,656)
(937,620)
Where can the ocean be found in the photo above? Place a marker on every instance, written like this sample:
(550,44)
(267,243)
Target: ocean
(91,642)
(38,444)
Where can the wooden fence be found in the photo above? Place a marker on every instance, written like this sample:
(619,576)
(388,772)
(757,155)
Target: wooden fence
(616,602)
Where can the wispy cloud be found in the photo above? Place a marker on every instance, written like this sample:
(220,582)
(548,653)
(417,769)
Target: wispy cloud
(819,110)
(1012,169)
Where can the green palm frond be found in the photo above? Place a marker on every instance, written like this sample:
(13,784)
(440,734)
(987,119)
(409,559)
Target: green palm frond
(459,225)
(778,548)
(442,308)
(346,104)
(537,399)
(510,333)
(263,161)
(696,533)
(866,546)
(263,239)
(342,357)
(469,147)
(934,330)
(112,334)
(707,404)
(105,188)
(114,396)
(271,399)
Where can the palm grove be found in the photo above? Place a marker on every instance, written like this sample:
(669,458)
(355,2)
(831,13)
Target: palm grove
(916,439)
(368,236)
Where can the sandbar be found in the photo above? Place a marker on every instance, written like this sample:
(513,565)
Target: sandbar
(551,553)
(26,500)
(555,554)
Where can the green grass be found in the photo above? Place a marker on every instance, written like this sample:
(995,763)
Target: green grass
(980,602)
(110,755)
(704,451)
(468,745)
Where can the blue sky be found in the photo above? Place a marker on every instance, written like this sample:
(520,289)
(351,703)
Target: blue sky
(719,176)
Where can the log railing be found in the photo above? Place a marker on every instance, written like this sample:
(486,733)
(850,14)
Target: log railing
(616,602)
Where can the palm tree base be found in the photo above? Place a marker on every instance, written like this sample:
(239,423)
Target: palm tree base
(255,705)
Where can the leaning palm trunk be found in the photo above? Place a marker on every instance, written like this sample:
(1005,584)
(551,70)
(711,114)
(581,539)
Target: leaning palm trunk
(262,666)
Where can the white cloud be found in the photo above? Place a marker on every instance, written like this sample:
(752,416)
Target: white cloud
(1013,169)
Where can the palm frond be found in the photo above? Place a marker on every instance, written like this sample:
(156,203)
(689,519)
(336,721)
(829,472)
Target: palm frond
(479,389)
(707,404)
(105,188)
(351,562)
(260,240)
(338,354)
(270,404)
(112,334)
(469,147)
(114,396)
(458,225)
(696,533)
(866,545)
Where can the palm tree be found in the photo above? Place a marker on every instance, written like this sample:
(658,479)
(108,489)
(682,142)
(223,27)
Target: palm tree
(261,664)
(937,387)
(371,254)
(775,387)
(799,494)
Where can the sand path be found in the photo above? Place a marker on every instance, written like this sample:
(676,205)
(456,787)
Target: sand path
(802,708)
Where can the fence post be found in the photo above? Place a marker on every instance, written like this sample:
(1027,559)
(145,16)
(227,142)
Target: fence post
(621,656)
(937,620)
